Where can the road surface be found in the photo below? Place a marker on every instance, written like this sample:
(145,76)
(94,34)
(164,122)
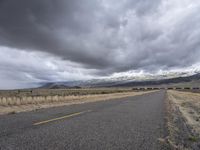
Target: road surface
(125,124)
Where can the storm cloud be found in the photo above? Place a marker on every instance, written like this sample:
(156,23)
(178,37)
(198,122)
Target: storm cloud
(102,37)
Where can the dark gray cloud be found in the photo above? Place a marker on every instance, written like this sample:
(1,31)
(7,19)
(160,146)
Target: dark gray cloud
(105,35)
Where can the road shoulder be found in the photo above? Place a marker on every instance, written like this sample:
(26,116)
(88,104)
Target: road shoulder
(181,132)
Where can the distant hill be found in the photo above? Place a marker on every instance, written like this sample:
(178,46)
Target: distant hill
(59,85)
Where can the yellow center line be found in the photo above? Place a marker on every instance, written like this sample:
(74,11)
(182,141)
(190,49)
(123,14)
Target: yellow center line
(59,118)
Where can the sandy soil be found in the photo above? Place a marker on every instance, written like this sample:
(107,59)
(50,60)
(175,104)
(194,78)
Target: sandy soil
(9,109)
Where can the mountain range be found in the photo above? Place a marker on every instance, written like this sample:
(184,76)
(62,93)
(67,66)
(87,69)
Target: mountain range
(172,79)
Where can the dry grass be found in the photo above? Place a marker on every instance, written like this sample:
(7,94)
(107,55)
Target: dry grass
(62,92)
(40,96)
(189,105)
(27,103)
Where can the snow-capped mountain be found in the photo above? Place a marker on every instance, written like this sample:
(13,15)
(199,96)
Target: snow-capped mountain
(133,77)
(141,76)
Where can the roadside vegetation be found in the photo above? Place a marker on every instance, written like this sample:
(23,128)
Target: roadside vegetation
(62,92)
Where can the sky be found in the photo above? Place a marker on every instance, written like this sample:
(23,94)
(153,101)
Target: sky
(66,40)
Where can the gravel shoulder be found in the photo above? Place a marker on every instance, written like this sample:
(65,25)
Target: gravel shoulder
(183,120)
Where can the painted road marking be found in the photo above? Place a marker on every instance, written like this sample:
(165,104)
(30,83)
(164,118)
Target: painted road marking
(60,118)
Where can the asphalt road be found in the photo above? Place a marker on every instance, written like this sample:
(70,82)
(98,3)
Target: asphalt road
(132,123)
